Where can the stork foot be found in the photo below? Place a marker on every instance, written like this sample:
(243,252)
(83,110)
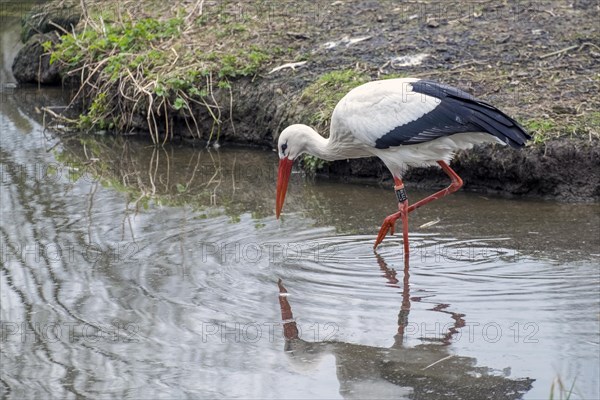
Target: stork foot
(389,225)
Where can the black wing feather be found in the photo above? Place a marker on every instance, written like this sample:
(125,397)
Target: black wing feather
(490,112)
(458,112)
(443,120)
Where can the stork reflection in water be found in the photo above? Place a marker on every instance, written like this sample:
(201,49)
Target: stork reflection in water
(427,370)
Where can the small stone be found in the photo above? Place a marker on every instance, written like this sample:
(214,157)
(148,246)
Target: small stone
(560,109)
(502,39)
(433,23)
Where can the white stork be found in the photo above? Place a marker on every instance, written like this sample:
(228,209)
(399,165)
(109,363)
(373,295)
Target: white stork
(405,122)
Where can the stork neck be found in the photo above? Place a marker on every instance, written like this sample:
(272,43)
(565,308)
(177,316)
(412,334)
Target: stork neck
(318,146)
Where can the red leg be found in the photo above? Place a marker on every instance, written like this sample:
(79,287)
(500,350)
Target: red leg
(454,186)
(404,212)
(290,330)
(390,221)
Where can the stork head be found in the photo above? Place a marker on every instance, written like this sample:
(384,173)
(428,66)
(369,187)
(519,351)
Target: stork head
(292,143)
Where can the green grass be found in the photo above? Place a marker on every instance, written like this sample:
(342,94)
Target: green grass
(149,66)
(540,129)
(312,164)
(585,126)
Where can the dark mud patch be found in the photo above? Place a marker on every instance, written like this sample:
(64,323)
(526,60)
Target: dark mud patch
(562,170)
(559,170)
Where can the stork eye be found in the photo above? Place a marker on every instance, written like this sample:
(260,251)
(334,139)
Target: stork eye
(283,148)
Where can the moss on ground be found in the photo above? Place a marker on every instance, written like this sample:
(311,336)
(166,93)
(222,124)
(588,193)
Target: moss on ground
(544,129)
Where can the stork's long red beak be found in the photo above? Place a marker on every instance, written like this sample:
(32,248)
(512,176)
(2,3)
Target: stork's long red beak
(285,170)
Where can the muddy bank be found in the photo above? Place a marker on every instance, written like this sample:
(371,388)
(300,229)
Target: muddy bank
(564,170)
(536,62)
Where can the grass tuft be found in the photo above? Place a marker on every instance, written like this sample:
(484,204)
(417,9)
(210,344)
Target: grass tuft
(150,67)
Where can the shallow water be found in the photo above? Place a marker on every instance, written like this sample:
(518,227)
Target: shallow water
(106,294)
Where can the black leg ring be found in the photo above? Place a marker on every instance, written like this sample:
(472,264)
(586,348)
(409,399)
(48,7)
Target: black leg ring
(401,195)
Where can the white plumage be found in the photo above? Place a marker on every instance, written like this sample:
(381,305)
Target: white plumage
(428,153)
(375,108)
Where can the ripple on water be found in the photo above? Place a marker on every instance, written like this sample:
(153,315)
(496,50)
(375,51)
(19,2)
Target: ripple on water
(454,271)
